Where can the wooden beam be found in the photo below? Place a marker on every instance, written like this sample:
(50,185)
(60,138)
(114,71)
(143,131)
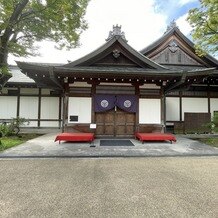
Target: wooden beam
(39,107)
(53,77)
(208,98)
(163,108)
(176,84)
(137,93)
(18,102)
(93,92)
(180,106)
(59,111)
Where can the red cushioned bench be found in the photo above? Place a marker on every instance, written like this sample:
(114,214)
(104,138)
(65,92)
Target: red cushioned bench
(75,137)
(155,137)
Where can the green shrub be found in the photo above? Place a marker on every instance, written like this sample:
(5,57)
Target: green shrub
(5,130)
(213,125)
(12,128)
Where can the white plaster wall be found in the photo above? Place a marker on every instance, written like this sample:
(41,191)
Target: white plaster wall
(194,105)
(45,91)
(213,105)
(149,111)
(80,84)
(49,124)
(29,107)
(29,91)
(172,109)
(49,107)
(149,86)
(81,107)
(31,124)
(8,107)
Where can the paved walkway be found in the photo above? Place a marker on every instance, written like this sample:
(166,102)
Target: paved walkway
(44,146)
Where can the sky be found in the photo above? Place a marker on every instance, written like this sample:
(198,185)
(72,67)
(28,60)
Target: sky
(142,21)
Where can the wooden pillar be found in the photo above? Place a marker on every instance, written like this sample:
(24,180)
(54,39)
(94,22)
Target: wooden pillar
(137,93)
(208,98)
(64,111)
(180,106)
(163,109)
(93,92)
(39,107)
(18,102)
(59,113)
(65,105)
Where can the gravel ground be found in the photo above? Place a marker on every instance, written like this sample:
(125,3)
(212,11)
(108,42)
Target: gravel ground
(109,187)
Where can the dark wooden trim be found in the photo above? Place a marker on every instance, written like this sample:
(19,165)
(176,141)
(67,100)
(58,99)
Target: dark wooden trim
(59,112)
(31,95)
(137,93)
(65,105)
(64,111)
(208,97)
(180,106)
(163,108)
(53,77)
(52,120)
(39,106)
(79,95)
(18,103)
(93,92)
(42,120)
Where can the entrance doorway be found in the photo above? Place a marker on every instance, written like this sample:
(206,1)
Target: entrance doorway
(115,123)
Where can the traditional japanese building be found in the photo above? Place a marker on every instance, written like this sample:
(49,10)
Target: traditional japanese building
(119,89)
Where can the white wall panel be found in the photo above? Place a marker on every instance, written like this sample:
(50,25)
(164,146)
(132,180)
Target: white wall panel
(149,111)
(29,91)
(45,91)
(172,109)
(49,124)
(49,107)
(213,105)
(31,124)
(29,107)
(8,107)
(81,107)
(194,105)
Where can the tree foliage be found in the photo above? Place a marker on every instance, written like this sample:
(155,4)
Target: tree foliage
(204,21)
(23,22)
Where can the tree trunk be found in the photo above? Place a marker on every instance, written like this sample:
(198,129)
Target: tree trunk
(5,38)
(3,55)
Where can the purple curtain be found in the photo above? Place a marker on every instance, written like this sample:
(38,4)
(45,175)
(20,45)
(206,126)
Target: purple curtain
(127,103)
(104,102)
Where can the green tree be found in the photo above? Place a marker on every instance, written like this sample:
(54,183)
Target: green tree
(23,22)
(204,21)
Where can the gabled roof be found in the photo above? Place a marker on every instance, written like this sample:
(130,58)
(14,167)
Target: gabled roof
(116,44)
(185,44)
(117,61)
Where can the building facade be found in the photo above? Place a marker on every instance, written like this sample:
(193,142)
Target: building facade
(121,90)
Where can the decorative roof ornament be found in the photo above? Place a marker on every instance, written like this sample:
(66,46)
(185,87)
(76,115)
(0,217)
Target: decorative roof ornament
(116,53)
(116,32)
(173,46)
(171,25)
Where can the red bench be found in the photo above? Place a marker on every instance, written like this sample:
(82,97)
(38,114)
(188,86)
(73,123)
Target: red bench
(155,137)
(75,137)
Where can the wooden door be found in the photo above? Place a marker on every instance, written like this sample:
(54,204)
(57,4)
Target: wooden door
(115,123)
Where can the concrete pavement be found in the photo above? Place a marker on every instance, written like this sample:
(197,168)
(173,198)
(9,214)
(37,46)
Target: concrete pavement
(109,187)
(44,146)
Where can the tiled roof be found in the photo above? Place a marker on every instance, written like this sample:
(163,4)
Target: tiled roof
(18,76)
